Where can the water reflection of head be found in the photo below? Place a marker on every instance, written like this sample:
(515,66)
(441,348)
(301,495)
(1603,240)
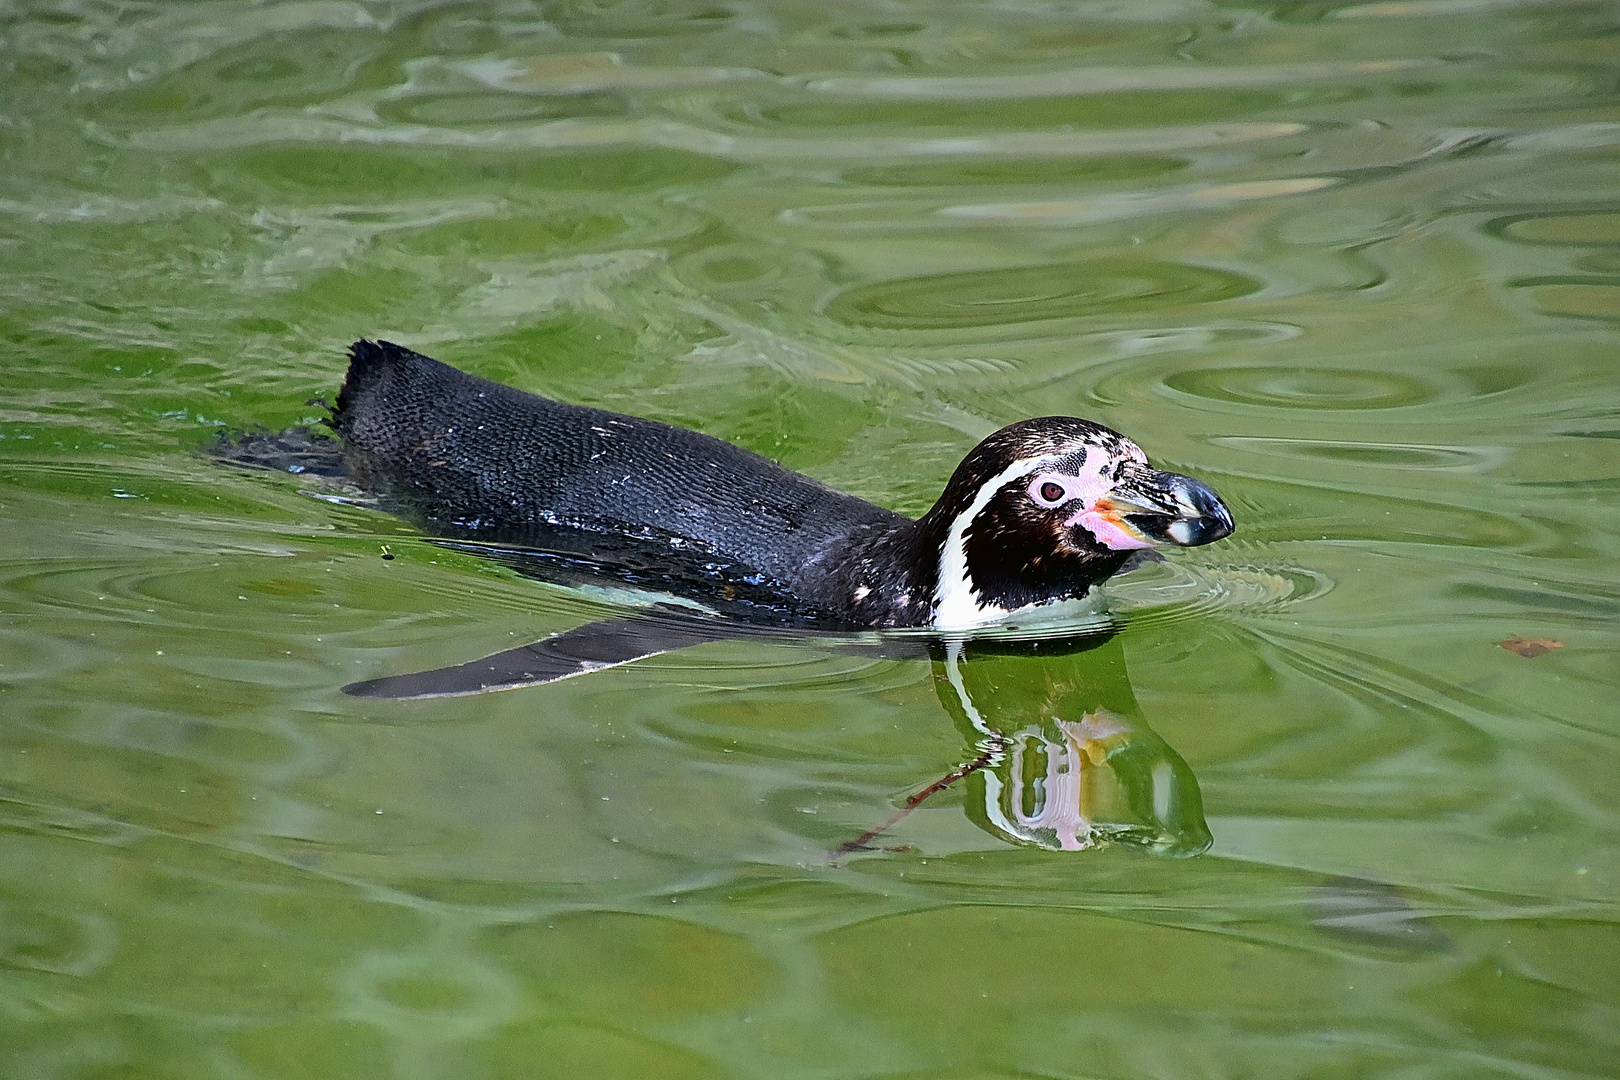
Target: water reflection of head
(1069,761)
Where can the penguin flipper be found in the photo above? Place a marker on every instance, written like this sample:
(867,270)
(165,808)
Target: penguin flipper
(584,649)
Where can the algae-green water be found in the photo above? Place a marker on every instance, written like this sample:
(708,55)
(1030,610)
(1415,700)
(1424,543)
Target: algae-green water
(1356,266)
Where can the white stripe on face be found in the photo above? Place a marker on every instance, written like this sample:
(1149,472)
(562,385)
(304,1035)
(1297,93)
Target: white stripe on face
(956,602)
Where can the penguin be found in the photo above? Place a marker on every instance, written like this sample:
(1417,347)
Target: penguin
(1038,514)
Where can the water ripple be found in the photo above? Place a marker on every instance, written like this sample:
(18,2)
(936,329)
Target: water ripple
(1129,204)
(1104,80)
(1374,455)
(271,126)
(1034,293)
(1314,388)
(1172,592)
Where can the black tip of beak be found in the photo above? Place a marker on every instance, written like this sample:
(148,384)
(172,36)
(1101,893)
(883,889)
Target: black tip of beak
(1192,516)
(1213,521)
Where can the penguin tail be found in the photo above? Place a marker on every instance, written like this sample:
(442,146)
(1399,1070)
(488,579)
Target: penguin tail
(370,363)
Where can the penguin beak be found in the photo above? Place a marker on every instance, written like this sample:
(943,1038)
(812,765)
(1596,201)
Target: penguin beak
(1154,507)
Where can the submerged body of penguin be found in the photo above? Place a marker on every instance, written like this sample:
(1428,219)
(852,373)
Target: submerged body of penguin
(1038,513)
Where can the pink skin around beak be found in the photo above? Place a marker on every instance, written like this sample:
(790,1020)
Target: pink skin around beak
(1096,514)
(1128,506)
(1102,521)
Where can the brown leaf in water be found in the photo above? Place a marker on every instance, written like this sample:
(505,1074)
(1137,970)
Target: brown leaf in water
(1530,646)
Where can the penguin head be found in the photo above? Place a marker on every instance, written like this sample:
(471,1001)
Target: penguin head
(1046,508)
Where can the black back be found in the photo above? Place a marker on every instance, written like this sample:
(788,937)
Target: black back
(476,459)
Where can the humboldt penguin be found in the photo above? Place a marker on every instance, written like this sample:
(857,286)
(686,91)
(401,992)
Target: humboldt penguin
(1038,513)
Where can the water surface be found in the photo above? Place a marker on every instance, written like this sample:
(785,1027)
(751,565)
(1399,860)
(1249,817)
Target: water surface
(1355,266)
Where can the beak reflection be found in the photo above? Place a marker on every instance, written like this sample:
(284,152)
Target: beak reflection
(1165,508)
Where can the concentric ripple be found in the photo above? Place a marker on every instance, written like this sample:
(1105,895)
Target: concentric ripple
(1034,293)
(1178,591)
(1305,387)
(1379,455)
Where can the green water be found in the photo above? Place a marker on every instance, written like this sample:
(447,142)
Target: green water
(1355,266)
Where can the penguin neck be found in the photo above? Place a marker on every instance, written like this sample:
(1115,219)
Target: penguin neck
(938,548)
(905,573)
(907,558)
(963,593)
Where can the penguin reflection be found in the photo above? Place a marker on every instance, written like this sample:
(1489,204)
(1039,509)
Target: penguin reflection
(1064,759)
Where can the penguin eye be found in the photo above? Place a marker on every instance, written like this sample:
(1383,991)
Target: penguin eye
(1048,492)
